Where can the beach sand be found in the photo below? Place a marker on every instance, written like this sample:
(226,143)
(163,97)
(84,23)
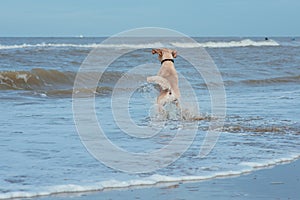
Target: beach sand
(279,182)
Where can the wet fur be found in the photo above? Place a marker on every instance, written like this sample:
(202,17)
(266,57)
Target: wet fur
(166,78)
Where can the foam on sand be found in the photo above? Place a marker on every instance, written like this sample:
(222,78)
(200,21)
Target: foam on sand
(149,181)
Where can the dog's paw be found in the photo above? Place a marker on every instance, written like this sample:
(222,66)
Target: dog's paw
(164,83)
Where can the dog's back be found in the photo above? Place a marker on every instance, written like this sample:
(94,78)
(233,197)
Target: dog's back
(168,71)
(167,77)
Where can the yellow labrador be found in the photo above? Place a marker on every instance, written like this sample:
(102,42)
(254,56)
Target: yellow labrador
(166,78)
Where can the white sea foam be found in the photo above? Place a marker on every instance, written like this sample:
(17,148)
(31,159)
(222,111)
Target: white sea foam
(25,77)
(269,163)
(109,184)
(242,43)
(210,44)
(150,181)
(93,45)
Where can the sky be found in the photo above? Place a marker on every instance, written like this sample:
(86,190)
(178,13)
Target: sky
(108,17)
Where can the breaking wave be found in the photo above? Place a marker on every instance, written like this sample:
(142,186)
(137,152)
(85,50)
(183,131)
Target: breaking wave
(209,44)
(60,83)
(241,43)
(52,82)
(34,79)
(142,182)
(93,45)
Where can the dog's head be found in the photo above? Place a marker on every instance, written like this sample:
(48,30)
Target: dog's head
(165,53)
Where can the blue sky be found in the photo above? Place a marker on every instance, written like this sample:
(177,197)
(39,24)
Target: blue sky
(194,18)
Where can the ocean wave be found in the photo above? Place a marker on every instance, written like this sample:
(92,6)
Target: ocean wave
(255,82)
(53,82)
(209,44)
(283,79)
(143,182)
(270,163)
(92,45)
(60,83)
(34,79)
(241,43)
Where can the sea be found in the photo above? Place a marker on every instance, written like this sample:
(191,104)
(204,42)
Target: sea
(42,148)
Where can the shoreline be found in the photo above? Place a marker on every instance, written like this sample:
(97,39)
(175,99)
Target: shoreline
(275,182)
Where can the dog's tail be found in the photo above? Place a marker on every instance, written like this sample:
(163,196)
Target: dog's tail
(164,83)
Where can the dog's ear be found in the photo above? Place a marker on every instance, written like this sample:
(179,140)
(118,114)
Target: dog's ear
(158,51)
(174,53)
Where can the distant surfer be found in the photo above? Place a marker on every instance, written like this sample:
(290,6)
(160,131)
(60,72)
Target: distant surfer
(266,38)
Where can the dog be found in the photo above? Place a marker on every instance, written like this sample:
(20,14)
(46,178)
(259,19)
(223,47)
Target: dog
(167,78)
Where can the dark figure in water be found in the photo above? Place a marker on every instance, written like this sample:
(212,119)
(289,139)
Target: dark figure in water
(266,38)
